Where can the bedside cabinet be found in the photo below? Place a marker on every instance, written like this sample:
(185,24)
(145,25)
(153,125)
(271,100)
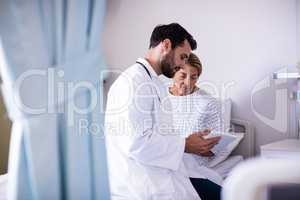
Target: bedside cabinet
(288,148)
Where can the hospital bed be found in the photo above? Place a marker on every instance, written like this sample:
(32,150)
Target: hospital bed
(244,150)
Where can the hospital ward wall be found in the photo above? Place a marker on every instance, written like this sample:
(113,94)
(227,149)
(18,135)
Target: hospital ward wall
(298,32)
(240,43)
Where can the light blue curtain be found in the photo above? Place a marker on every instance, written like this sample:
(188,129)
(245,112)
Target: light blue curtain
(51,70)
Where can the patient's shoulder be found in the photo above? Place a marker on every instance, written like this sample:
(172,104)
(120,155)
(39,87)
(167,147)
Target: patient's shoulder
(204,96)
(202,92)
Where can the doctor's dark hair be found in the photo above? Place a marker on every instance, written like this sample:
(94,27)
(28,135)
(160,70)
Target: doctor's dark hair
(174,32)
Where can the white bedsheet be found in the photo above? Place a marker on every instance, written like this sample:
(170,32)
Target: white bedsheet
(227,165)
(3,185)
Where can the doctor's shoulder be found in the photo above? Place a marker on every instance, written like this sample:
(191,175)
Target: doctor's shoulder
(137,75)
(122,81)
(129,79)
(126,76)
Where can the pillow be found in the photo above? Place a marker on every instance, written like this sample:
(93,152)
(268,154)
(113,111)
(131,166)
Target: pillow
(223,155)
(3,179)
(226,114)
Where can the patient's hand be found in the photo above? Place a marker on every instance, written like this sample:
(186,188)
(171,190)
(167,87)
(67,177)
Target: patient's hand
(196,144)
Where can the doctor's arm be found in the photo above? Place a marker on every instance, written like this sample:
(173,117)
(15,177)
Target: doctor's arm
(153,143)
(196,144)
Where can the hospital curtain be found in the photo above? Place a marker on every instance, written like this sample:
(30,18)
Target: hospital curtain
(51,69)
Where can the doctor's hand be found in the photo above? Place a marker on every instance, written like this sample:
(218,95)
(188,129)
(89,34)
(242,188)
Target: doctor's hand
(196,144)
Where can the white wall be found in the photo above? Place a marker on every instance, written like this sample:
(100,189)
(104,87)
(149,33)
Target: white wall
(243,41)
(298,30)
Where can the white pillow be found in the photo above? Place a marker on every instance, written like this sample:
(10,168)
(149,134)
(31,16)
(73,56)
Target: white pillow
(3,179)
(226,114)
(223,155)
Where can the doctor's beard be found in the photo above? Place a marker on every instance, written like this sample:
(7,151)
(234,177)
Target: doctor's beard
(168,65)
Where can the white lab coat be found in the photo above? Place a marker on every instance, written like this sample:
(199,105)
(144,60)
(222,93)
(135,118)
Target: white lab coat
(145,155)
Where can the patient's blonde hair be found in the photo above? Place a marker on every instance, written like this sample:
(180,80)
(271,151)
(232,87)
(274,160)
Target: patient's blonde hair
(194,61)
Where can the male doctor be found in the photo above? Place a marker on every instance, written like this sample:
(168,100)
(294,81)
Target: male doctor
(144,151)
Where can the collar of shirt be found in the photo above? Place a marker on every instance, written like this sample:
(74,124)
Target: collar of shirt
(148,66)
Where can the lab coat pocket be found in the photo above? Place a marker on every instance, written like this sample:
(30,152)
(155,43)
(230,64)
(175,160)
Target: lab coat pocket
(161,182)
(139,183)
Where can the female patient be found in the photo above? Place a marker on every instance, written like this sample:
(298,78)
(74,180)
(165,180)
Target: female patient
(195,110)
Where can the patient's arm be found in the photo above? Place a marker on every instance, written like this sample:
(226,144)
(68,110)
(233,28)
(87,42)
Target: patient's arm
(214,116)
